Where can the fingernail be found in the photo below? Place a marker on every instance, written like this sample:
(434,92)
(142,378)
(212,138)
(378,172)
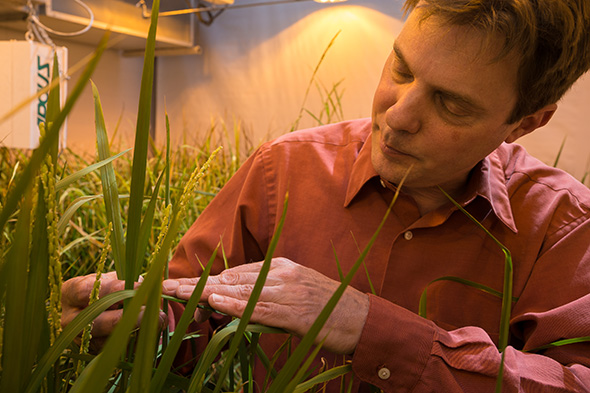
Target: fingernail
(169,285)
(215,298)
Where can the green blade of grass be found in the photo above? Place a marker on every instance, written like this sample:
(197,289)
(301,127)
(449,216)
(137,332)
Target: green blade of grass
(205,361)
(146,225)
(37,288)
(52,135)
(166,332)
(70,179)
(481,287)
(70,332)
(146,345)
(326,376)
(303,369)
(14,369)
(53,103)
(560,343)
(216,345)
(71,210)
(180,330)
(506,291)
(94,378)
(559,152)
(292,364)
(507,286)
(140,154)
(109,187)
(96,375)
(254,295)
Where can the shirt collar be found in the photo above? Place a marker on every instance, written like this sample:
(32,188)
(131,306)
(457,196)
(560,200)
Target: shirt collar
(362,171)
(488,180)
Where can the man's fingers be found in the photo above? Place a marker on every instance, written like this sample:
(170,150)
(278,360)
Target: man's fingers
(202,315)
(105,323)
(266,313)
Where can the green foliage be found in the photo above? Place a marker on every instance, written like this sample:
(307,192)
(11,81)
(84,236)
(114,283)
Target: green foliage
(60,212)
(76,209)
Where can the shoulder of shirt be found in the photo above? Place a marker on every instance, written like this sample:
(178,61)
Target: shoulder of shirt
(520,168)
(336,134)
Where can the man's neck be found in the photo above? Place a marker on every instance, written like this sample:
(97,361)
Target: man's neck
(431,198)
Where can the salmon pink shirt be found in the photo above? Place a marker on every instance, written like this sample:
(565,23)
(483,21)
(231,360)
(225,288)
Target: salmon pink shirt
(336,202)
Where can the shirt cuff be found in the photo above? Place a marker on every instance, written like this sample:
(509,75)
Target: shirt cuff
(394,347)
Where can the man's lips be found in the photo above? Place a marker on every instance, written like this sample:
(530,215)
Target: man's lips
(391,152)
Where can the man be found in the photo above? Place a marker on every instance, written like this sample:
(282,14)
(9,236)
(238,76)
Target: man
(463,78)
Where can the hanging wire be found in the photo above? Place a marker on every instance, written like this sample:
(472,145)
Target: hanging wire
(37,30)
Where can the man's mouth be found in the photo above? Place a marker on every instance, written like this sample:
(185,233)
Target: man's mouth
(391,151)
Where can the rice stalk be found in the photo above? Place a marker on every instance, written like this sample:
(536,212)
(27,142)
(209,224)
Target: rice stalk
(162,234)
(132,257)
(313,75)
(55,275)
(86,333)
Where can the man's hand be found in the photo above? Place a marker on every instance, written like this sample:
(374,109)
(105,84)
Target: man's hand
(75,294)
(292,298)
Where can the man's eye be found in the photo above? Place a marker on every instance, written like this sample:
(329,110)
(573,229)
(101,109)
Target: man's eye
(451,107)
(402,76)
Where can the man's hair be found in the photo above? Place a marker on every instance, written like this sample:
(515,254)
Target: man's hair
(551,38)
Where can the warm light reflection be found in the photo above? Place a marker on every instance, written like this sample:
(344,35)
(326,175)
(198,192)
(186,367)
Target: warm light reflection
(329,1)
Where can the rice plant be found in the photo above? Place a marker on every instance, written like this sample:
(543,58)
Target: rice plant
(58,208)
(63,215)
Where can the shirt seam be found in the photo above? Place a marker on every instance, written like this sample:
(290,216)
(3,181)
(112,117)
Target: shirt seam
(271,206)
(585,209)
(428,360)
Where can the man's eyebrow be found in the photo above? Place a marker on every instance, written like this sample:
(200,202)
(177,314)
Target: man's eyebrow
(399,55)
(454,95)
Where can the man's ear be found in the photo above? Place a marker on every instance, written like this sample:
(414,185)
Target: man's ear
(531,122)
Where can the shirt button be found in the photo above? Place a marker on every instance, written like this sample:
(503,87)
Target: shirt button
(384,373)
(408,235)
(382,183)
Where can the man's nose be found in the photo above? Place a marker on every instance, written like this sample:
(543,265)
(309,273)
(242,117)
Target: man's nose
(406,112)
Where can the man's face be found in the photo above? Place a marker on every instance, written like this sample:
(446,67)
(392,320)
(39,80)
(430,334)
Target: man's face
(441,105)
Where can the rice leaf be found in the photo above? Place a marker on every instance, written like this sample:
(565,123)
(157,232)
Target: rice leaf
(559,152)
(292,364)
(296,358)
(95,376)
(53,103)
(37,287)
(481,287)
(560,343)
(140,152)
(15,369)
(313,75)
(146,225)
(303,369)
(326,376)
(26,178)
(74,177)
(70,332)
(254,295)
(181,327)
(216,345)
(166,332)
(71,210)
(109,187)
(506,291)
(146,345)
